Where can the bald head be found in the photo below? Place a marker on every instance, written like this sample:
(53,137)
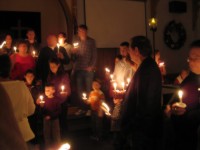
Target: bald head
(194,57)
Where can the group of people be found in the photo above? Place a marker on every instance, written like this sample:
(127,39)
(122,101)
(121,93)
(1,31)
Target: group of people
(37,83)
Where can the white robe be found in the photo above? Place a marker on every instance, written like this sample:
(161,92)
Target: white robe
(23,105)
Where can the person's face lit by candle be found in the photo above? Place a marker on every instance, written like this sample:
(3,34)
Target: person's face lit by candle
(49,91)
(124,51)
(29,77)
(22,47)
(8,40)
(82,32)
(194,60)
(54,67)
(61,38)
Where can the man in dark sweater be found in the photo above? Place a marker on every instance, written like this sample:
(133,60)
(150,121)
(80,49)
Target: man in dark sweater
(186,120)
(48,52)
(141,111)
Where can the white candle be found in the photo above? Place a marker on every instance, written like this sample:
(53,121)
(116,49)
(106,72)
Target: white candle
(41,99)
(3,43)
(84,96)
(15,49)
(161,64)
(76,44)
(62,88)
(180,95)
(115,86)
(105,108)
(107,70)
(34,53)
(58,45)
(111,77)
(65,146)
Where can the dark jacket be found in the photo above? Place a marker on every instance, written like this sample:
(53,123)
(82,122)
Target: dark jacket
(141,111)
(42,67)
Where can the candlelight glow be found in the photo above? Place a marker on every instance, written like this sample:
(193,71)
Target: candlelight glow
(128,80)
(115,86)
(2,44)
(153,22)
(107,70)
(76,44)
(84,96)
(15,49)
(60,41)
(111,76)
(62,88)
(198,89)
(41,97)
(34,53)
(180,95)
(58,45)
(65,146)
(105,108)
(161,64)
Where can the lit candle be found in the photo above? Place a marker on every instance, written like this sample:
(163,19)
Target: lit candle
(198,89)
(153,22)
(34,53)
(76,44)
(84,96)
(60,41)
(15,49)
(115,86)
(62,88)
(41,99)
(107,70)
(65,146)
(105,108)
(3,43)
(58,45)
(161,64)
(180,95)
(123,85)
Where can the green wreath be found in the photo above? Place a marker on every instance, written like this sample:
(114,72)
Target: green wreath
(174,35)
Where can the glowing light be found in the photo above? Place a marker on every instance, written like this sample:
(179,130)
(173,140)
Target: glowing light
(65,146)
(84,96)
(115,86)
(107,70)
(105,108)
(180,95)
(76,44)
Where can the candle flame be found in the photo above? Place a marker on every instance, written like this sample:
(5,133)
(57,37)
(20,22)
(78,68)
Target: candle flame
(105,108)
(111,76)
(84,96)
(62,87)
(3,43)
(76,44)
(107,70)
(15,48)
(58,45)
(115,86)
(65,146)
(60,41)
(161,64)
(41,97)
(180,94)
(128,80)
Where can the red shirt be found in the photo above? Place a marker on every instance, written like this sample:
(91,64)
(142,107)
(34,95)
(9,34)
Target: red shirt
(20,65)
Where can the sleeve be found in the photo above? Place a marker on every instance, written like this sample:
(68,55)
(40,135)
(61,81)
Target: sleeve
(94,54)
(66,59)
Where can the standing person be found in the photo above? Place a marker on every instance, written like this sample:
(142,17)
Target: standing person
(8,47)
(123,69)
(59,78)
(84,65)
(33,45)
(51,111)
(186,120)
(48,52)
(21,99)
(141,112)
(62,39)
(21,61)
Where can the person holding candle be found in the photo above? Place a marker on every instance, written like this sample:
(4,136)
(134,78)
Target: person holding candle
(8,47)
(62,39)
(33,45)
(61,81)
(96,97)
(21,61)
(35,120)
(51,110)
(84,64)
(141,108)
(123,69)
(47,53)
(186,120)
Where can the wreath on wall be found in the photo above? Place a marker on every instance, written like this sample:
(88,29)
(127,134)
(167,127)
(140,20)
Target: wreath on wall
(174,35)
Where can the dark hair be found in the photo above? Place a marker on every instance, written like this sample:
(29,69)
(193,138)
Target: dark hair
(195,44)
(49,85)
(63,34)
(22,42)
(30,29)
(124,44)
(97,80)
(5,66)
(9,35)
(29,71)
(119,57)
(143,44)
(57,62)
(83,26)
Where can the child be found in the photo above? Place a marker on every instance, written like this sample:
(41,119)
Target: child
(51,111)
(59,78)
(95,99)
(35,120)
